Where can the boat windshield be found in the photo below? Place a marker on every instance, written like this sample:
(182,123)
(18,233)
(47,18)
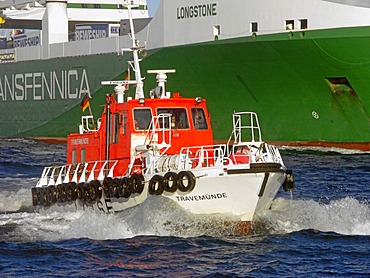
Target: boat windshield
(179,117)
(142,118)
(199,119)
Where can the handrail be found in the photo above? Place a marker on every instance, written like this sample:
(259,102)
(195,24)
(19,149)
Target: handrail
(78,173)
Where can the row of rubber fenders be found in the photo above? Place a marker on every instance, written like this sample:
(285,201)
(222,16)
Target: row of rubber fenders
(90,192)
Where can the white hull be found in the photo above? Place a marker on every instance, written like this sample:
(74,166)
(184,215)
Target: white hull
(234,195)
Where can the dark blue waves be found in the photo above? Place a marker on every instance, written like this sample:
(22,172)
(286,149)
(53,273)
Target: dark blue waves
(322,231)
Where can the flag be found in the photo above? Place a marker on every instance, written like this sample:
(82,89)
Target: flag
(85,103)
(127,78)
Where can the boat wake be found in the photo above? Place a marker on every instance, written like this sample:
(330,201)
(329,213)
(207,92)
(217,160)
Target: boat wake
(162,217)
(347,216)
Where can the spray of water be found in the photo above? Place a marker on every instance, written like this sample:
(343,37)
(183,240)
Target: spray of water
(346,216)
(160,216)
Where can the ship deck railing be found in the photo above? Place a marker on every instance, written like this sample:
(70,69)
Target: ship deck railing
(88,124)
(77,173)
(246,128)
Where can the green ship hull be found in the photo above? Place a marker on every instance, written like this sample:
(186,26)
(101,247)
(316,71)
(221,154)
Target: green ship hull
(308,87)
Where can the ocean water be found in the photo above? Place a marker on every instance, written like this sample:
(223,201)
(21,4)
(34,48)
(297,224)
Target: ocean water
(321,230)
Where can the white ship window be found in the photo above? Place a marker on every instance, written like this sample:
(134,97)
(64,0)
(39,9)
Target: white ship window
(216,31)
(289,24)
(303,23)
(254,27)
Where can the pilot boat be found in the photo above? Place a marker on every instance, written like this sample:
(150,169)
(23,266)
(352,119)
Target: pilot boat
(163,145)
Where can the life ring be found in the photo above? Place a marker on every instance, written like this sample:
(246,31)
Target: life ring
(61,193)
(156,185)
(107,183)
(50,194)
(170,182)
(125,190)
(185,181)
(136,183)
(94,190)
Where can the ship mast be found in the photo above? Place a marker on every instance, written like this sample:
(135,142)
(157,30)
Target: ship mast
(135,64)
(135,48)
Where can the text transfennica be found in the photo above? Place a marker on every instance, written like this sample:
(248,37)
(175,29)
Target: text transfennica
(66,84)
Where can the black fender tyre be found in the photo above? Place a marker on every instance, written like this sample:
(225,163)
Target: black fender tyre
(107,184)
(156,185)
(185,181)
(44,197)
(51,194)
(36,197)
(136,183)
(81,192)
(61,193)
(86,192)
(125,190)
(115,188)
(95,190)
(170,182)
(71,194)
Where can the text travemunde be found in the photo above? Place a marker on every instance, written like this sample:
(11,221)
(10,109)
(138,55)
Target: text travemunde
(80,141)
(66,84)
(205,197)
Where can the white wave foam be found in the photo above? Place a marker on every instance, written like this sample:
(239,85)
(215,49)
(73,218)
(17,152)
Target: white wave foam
(11,201)
(156,216)
(346,216)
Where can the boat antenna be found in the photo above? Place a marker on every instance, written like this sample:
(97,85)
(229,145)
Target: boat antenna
(135,64)
(135,49)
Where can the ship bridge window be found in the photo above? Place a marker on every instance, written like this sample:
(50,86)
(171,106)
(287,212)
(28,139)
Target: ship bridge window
(117,120)
(83,155)
(199,119)
(340,85)
(74,156)
(254,27)
(216,30)
(303,23)
(142,118)
(179,118)
(289,24)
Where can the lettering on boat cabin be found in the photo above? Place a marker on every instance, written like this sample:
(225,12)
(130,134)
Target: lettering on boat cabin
(65,84)
(205,197)
(201,10)
(80,141)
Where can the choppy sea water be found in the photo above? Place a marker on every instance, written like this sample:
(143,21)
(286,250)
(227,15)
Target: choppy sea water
(322,230)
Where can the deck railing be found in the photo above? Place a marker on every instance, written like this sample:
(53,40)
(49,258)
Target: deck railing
(81,172)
